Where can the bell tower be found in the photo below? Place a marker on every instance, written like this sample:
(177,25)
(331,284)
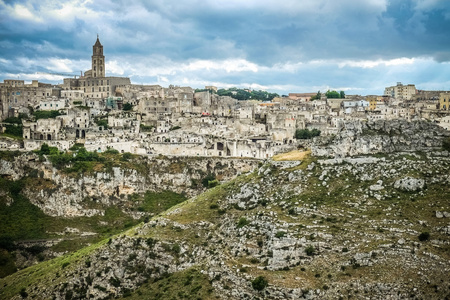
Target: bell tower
(98,60)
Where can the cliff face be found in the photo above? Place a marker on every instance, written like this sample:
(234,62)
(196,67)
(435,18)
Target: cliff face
(63,194)
(358,137)
(361,227)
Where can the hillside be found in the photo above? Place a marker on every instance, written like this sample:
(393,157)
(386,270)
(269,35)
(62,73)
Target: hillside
(362,227)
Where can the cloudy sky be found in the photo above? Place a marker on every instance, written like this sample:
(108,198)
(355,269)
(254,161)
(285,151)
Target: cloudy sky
(359,46)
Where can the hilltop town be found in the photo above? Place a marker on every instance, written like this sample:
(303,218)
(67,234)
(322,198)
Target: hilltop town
(110,112)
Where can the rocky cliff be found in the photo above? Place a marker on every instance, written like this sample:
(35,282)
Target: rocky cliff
(360,227)
(361,137)
(73,194)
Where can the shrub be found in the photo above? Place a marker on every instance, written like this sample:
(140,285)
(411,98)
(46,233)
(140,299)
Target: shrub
(207,179)
(446,144)
(214,206)
(310,250)
(280,234)
(424,236)
(126,156)
(23,293)
(242,222)
(213,183)
(112,151)
(259,283)
(114,281)
(127,106)
(46,114)
(304,134)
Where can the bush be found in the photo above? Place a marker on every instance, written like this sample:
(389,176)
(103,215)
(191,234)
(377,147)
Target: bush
(446,144)
(304,134)
(207,179)
(280,234)
(127,106)
(259,283)
(112,151)
(424,236)
(48,114)
(310,250)
(23,293)
(242,222)
(14,130)
(213,183)
(126,156)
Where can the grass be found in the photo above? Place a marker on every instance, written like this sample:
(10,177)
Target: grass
(44,273)
(293,155)
(187,284)
(157,202)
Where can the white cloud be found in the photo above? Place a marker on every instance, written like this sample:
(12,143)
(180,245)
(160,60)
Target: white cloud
(375,63)
(22,12)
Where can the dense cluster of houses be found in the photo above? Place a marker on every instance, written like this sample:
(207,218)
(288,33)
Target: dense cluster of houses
(111,112)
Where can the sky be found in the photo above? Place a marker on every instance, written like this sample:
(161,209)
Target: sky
(288,46)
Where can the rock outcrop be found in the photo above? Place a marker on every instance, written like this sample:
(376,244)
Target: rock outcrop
(326,229)
(360,137)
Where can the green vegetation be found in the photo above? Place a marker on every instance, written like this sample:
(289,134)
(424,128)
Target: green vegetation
(187,284)
(46,114)
(14,128)
(127,106)
(158,202)
(335,95)
(310,250)
(210,181)
(424,236)
(174,128)
(241,94)
(317,96)
(304,134)
(146,128)
(259,283)
(77,102)
(102,122)
(242,222)
(446,144)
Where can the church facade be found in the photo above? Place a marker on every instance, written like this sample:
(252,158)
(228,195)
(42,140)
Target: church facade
(94,84)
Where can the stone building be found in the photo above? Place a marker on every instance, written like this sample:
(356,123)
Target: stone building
(444,101)
(401,91)
(94,84)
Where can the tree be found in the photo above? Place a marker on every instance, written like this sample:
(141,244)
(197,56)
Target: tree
(317,96)
(304,134)
(127,106)
(342,94)
(332,94)
(260,283)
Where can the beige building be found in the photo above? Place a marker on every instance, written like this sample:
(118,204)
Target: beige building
(400,91)
(444,101)
(94,84)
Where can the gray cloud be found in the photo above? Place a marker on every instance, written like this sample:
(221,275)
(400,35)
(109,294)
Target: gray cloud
(315,43)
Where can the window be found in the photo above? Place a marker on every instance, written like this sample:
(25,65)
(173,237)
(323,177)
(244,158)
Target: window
(95,68)
(94,61)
